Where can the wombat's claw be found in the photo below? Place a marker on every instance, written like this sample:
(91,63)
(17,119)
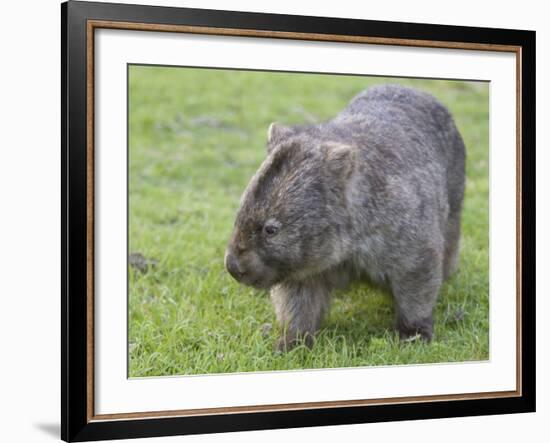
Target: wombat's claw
(413,338)
(266,330)
(282,345)
(285,344)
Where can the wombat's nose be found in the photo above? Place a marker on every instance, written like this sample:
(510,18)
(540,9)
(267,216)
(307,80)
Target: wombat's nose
(233,267)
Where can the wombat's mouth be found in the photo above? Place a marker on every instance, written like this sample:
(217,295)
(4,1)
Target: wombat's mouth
(258,276)
(254,281)
(257,282)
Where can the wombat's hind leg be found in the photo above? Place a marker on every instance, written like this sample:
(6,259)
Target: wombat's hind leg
(412,328)
(300,308)
(415,294)
(452,245)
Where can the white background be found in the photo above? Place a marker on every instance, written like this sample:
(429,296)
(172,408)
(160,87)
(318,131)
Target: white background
(29,234)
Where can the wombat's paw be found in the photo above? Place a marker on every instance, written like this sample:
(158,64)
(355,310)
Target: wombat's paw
(416,337)
(420,330)
(412,338)
(282,345)
(285,344)
(266,329)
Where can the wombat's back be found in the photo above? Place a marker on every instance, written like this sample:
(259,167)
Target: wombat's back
(396,111)
(407,128)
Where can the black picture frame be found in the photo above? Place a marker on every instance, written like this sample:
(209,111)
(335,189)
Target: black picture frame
(76,422)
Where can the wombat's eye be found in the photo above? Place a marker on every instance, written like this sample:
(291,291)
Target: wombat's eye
(271,227)
(270,230)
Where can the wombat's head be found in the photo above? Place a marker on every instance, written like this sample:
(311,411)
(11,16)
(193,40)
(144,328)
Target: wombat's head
(292,211)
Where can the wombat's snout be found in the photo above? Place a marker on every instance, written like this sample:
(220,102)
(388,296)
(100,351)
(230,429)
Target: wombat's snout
(248,269)
(233,266)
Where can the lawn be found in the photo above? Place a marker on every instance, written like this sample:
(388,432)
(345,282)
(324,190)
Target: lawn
(196,136)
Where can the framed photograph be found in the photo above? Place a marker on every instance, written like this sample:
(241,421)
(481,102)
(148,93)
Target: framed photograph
(274,221)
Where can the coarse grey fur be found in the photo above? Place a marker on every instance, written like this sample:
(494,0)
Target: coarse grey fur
(375,193)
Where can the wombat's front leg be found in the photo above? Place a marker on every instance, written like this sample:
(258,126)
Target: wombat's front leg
(415,293)
(299,308)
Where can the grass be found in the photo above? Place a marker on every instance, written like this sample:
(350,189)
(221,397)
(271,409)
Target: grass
(196,136)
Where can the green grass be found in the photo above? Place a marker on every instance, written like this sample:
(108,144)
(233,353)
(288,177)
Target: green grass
(196,136)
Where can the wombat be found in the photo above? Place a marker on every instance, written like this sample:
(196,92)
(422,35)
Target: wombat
(375,193)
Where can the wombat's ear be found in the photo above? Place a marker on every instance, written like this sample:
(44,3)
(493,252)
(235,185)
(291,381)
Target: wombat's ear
(275,133)
(339,158)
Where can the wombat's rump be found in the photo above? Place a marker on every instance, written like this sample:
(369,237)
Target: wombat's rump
(374,193)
